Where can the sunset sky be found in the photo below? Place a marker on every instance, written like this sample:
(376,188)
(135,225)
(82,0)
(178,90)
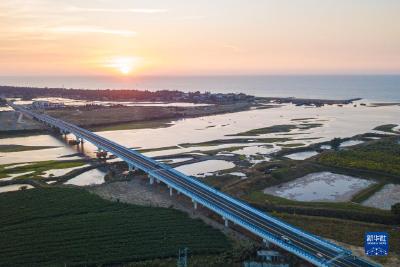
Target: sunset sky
(190,37)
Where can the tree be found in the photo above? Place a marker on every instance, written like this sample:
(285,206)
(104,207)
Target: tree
(396,209)
(335,143)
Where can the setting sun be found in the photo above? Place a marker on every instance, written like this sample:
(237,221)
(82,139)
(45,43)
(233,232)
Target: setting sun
(124,65)
(125,69)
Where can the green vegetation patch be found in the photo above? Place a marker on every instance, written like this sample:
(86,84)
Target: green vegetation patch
(386,128)
(349,232)
(18,148)
(381,156)
(343,210)
(68,226)
(284,128)
(291,145)
(157,149)
(38,168)
(307,126)
(234,141)
(367,192)
(303,119)
(153,124)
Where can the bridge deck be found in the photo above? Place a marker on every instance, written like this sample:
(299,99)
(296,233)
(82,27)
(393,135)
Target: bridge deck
(305,245)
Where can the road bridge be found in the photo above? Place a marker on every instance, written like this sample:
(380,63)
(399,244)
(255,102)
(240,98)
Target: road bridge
(311,248)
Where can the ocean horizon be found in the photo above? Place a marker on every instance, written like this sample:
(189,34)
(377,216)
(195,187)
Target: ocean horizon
(385,88)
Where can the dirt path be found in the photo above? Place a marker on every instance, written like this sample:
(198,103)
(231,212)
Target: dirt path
(138,191)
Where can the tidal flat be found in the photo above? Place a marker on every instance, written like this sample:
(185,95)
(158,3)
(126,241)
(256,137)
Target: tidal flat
(322,186)
(241,139)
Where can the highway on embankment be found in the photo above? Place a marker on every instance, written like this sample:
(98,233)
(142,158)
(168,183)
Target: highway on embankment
(305,245)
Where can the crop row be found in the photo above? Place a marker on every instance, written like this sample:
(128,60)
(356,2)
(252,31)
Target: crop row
(55,226)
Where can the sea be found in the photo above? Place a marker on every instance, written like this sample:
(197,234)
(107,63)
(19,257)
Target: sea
(382,88)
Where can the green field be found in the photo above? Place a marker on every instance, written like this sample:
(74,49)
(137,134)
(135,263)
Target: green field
(38,168)
(284,128)
(349,232)
(57,226)
(380,156)
(154,124)
(19,148)
(386,128)
(376,160)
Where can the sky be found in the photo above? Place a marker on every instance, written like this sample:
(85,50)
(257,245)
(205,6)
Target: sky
(198,37)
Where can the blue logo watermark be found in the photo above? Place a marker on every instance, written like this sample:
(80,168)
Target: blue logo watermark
(376,243)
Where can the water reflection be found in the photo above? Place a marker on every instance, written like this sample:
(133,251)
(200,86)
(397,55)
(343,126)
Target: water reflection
(302,155)
(208,166)
(384,198)
(322,186)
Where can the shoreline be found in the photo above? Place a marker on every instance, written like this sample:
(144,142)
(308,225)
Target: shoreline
(139,117)
(118,118)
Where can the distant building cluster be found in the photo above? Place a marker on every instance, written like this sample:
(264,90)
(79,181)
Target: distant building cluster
(27,93)
(213,98)
(46,105)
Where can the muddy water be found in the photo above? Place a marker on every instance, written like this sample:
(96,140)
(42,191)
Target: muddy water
(57,153)
(337,122)
(322,186)
(205,167)
(385,198)
(302,155)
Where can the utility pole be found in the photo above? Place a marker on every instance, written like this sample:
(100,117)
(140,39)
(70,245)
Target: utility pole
(182,257)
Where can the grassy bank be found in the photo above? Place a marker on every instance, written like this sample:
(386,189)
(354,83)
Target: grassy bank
(386,128)
(341,210)
(381,156)
(349,232)
(38,168)
(284,128)
(53,227)
(384,152)
(154,124)
(236,141)
(21,133)
(19,148)
(367,192)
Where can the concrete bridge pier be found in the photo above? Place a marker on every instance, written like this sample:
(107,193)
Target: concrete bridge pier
(20,117)
(194,204)
(266,243)
(131,167)
(226,222)
(151,179)
(170,191)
